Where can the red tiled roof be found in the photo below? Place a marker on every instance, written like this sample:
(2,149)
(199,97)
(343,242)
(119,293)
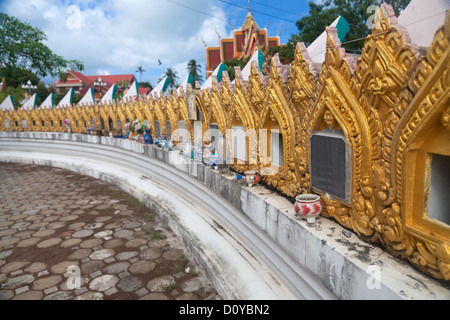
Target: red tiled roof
(88,80)
(143,91)
(80,76)
(112,78)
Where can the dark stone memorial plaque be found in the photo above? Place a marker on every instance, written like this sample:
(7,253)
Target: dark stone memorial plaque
(330,166)
(182,135)
(157,129)
(168,130)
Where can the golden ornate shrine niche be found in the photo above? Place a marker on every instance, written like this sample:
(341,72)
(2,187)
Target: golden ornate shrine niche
(204,105)
(160,116)
(244,117)
(422,144)
(280,116)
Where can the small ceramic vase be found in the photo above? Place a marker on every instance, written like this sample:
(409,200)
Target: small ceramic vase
(251,177)
(308,206)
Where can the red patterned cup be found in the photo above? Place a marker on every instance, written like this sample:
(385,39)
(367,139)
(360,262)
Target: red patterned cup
(251,177)
(308,206)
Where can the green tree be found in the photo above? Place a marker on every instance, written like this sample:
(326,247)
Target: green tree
(17,93)
(354,11)
(16,77)
(122,85)
(286,54)
(141,71)
(22,48)
(321,15)
(42,93)
(173,77)
(145,84)
(195,69)
(58,95)
(235,63)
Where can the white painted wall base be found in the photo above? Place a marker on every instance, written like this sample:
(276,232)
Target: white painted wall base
(247,239)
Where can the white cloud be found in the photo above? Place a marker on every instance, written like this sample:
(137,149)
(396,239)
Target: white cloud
(117,36)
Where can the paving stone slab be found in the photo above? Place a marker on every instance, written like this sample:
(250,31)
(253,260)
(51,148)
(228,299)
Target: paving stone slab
(49,243)
(29,295)
(151,253)
(90,296)
(80,254)
(103,283)
(102,254)
(70,243)
(60,295)
(45,283)
(160,284)
(36,267)
(123,233)
(142,267)
(91,266)
(43,233)
(130,284)
(126,255)
(83,233)
(116,268)
(62,266)
(91,243)
(135,243)
(18,281)
(13,266)
(27,242)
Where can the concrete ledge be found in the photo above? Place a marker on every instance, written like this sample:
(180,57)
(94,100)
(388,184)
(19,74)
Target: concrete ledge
(247,239)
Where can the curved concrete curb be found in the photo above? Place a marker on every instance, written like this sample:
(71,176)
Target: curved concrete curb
(247,239)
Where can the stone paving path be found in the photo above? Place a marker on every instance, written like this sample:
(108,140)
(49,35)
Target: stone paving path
(67,236)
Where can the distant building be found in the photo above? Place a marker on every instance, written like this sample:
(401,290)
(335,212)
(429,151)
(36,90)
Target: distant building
(242,45)
(99,83)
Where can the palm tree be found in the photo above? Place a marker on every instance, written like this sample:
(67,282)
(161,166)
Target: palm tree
(195,69)
(141,71)
(172,75)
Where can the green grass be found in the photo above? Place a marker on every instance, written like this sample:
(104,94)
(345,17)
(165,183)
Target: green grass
(133,201)
(181,263)
(169,286)
(157,236)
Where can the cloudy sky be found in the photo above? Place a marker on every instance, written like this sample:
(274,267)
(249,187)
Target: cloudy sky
(117,36)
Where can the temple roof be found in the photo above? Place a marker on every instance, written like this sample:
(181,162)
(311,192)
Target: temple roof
(249,22)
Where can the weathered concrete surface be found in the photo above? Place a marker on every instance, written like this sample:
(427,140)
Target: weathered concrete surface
(324,261)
